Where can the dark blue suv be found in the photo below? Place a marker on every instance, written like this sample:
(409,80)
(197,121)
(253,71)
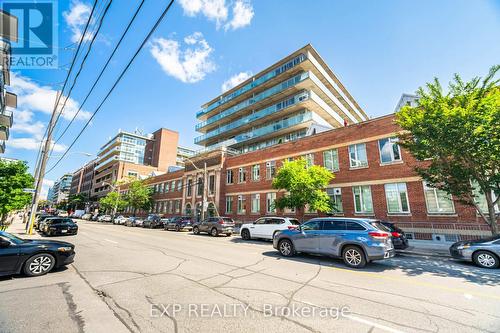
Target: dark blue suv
(356,241)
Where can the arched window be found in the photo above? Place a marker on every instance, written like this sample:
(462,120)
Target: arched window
(188,209)
(211,211)
(198,211)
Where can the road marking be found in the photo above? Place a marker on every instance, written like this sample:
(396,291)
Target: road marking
(373,324)
(107,240)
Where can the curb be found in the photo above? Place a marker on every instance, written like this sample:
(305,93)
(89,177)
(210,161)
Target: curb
(423,254)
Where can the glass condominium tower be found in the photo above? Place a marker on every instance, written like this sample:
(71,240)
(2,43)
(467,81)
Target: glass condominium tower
(297,96)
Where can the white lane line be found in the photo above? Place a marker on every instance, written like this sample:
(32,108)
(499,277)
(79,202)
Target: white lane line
(107,240)
(371,323)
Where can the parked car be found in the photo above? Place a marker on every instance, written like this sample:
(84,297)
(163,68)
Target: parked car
(482,252)
(399,239)
(120,219)
(39,220)
(179,223)
(215,226)
(33,257)
(42,222)
(95,217)
(87,216)
(152,221)
(60,226)
(357,241)
(105,218)
(133,221)
(267,227)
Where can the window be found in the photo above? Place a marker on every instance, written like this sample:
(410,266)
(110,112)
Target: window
(167,187)
(241,204)
(397,198)
(188,209)
(362,199)
(389,150)
(351,225)
(179,185)
(173,185)
(189,187)
(242,175)
(357,155)
(160,188)
(229,177)
(334,225)
(255,172)
(167,206)
(309,160)
(229,205)
(270,169)
(211,184)
(274,221)
(331,159)
(260,221)
(480,199)
(132,174)
(255,203)
(270,197)
(335,195)
(437,201)
(177,206)
(199,187)
(311,225)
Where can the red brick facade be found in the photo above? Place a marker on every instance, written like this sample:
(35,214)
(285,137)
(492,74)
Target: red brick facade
(462,221)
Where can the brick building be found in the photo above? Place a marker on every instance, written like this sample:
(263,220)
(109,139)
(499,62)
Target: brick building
(374,178)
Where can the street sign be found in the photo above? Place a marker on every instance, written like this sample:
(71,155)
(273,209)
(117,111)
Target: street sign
(29,190)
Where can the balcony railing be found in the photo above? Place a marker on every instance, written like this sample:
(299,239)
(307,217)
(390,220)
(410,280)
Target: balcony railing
(6,118)
(259,97)
(264,78)
(4,132)
(284,104)
(2,147)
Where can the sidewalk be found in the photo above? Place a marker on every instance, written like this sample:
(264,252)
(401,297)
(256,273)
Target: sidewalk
(427,248)
(18,228)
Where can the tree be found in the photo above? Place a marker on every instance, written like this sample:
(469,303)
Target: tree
(77,201)
(112,200)
(304,185)
(139,196)
(14,177)
(457,135)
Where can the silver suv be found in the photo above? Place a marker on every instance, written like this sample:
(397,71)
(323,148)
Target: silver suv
(356,241)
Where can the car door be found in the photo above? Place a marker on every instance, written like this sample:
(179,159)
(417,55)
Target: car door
(307,240)
(258,227)
(332,236)
(273,224)
(9,256)
(205,224)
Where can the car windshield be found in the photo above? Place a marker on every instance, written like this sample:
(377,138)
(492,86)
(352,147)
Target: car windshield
(11,237)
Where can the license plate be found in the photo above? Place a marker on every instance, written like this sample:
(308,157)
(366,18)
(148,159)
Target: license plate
(64,231)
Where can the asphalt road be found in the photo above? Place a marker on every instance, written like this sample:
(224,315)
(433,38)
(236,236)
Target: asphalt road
(140,280)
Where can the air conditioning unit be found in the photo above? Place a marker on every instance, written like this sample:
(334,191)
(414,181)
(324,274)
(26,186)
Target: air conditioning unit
(337,191)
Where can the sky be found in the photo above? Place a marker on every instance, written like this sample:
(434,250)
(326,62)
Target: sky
(378,49)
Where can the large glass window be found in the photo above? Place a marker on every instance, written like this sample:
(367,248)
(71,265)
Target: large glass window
(357,155)
(241,204)
(242,175)
(229,177)
(396,195)
(437,201)
(229,204)
(189,189)
(255,203)
(363,203)
(199,187)
(389,150)
(255,172)
(270,169)
(480,199)
(309,159)
(331,159)
(270,198)
(335,195)
(211,184)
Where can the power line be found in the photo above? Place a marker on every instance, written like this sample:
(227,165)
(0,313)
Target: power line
(103,70)
(153,29)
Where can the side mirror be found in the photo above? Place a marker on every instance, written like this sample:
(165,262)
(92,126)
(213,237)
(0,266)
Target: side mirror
(4,243)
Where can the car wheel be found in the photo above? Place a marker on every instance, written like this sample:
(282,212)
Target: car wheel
(39,264)
(245,234)
(285,247)
(354,257)
(151,226)
(196,231)
(214,232)
(177,228)
(485,259)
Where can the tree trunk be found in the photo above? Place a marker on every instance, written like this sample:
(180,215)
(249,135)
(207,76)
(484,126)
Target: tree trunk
(492,218)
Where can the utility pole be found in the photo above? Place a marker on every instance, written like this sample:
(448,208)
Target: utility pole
(42,163)
(204,198)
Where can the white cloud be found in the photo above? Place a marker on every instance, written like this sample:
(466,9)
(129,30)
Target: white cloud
(234,80)
(217,10)
(32,144)
(242,15)
(188,65)
(45,188)
(34,97)
(76,18)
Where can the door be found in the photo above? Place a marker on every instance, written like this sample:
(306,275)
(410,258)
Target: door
(332,236)
(258,227)
(308,238)
(9,256)
(204,226)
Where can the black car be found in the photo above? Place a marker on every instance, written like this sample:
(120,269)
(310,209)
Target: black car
(179,223)
(32,256)
(398,236)
(59,226)
(152,221)
(40,220)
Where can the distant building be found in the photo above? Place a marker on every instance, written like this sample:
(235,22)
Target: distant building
(407,100)
(61,189)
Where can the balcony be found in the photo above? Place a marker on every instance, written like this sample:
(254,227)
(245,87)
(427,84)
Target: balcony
(255,99)
(254,117)
(6,118)
(4,132)
(2,147)
(251,85)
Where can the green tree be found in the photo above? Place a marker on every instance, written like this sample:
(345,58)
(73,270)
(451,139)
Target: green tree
(112,200)
(139,196)
(77,201)
(457,133)
(304,185)
(14,177)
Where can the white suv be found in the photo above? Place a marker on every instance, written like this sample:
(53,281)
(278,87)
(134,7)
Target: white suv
(266,227)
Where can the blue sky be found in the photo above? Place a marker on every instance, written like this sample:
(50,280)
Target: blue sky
(379,49)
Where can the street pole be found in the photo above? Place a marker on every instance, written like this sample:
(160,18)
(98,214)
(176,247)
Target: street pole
(204,199)
(44,156)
